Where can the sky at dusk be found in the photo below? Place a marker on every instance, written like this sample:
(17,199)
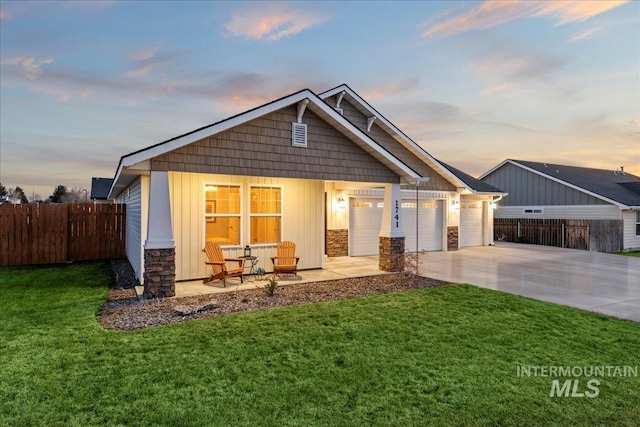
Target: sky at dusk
(84,82)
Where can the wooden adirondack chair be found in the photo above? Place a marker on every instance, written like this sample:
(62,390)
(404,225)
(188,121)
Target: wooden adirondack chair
(286,262)
(219,265)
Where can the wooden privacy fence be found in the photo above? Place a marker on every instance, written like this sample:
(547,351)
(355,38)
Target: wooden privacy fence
(50,233)
(585,234)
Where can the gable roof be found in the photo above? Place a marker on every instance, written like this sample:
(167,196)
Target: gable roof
(619,188)
(138,160)
(100,188)
(365,108)
(473,183)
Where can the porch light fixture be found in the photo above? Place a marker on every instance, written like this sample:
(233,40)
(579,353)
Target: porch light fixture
(342,202)
(455,204)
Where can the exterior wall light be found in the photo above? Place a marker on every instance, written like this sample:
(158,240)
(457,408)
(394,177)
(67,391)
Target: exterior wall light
(342,202)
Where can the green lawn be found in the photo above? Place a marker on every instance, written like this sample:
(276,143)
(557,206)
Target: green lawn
(635,254)
(442,356)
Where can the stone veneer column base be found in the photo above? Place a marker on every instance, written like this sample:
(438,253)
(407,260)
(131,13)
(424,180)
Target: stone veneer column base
(452,238)
(159,273)
(391,254)
(338,242)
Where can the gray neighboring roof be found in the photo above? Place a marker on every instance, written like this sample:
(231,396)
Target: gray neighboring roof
(475,184)
(621,187)
(100,188)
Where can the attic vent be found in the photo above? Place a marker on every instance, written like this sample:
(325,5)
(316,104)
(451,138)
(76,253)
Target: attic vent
(340,110)
(298,134)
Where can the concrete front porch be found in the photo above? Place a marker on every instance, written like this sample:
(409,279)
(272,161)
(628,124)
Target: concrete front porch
(335,268)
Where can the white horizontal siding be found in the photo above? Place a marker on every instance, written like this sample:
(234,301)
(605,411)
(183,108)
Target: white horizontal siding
(302,221)
(630,240)
(561,212)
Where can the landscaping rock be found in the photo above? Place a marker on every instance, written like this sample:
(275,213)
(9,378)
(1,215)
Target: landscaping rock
(123,311)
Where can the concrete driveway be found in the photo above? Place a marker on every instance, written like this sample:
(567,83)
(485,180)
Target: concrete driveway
(604,283)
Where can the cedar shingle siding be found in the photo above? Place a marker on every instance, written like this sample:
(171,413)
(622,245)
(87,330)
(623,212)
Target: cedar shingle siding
(262,147)
(437,182)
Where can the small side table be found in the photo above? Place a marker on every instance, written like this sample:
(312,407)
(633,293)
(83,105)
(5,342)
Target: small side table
(254,263)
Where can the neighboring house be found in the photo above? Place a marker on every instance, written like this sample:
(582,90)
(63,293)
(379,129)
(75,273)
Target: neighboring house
(605,203)
(100,190)
(326,171)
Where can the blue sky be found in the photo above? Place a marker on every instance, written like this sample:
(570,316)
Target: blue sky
(85,82)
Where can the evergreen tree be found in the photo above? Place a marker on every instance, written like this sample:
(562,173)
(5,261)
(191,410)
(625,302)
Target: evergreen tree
(58,194)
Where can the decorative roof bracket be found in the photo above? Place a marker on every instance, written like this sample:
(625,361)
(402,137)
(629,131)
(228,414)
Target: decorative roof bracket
(339,99)
(302,105)
(370,121)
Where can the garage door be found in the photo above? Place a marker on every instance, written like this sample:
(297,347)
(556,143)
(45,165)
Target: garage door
(470,223)
(429,225)
(365,218)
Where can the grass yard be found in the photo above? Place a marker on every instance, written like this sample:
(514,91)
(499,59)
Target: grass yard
(634,254)
(441,356)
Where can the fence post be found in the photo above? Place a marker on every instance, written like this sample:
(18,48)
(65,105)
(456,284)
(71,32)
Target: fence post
(563,234)
(518,229)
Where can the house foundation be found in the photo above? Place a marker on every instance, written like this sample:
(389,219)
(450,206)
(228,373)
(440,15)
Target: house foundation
(159,273)
(391,253)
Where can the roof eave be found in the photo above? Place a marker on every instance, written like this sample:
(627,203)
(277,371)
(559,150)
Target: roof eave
(397,134)
(318,104)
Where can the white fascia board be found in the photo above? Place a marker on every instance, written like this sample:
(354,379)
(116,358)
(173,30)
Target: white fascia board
(162,148)
(566,184)
(409,143)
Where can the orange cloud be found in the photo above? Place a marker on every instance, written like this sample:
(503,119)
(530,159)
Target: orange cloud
(575,11)
(272,23)
(143,71)
(30,67)
(492,13)
(587,34)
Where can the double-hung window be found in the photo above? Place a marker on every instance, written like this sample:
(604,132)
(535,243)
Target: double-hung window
(222,214)
(637,223)
(266,214)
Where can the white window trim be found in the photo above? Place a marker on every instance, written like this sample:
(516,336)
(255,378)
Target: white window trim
(206,215)
(250,215)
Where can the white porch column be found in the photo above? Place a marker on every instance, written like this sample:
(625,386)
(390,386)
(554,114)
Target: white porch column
(487,227)
(391,238)
(392,212)
(159,248)
(159,229)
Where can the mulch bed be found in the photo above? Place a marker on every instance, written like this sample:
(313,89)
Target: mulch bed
(123,311)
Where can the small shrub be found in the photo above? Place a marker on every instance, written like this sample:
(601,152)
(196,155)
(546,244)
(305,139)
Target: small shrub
(523,239)
(270,287)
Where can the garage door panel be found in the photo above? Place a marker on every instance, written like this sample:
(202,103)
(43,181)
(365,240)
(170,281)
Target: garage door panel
(471,223)
(429,225)
(365,220)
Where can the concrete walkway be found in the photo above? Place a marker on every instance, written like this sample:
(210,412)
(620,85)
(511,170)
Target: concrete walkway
(604,283)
